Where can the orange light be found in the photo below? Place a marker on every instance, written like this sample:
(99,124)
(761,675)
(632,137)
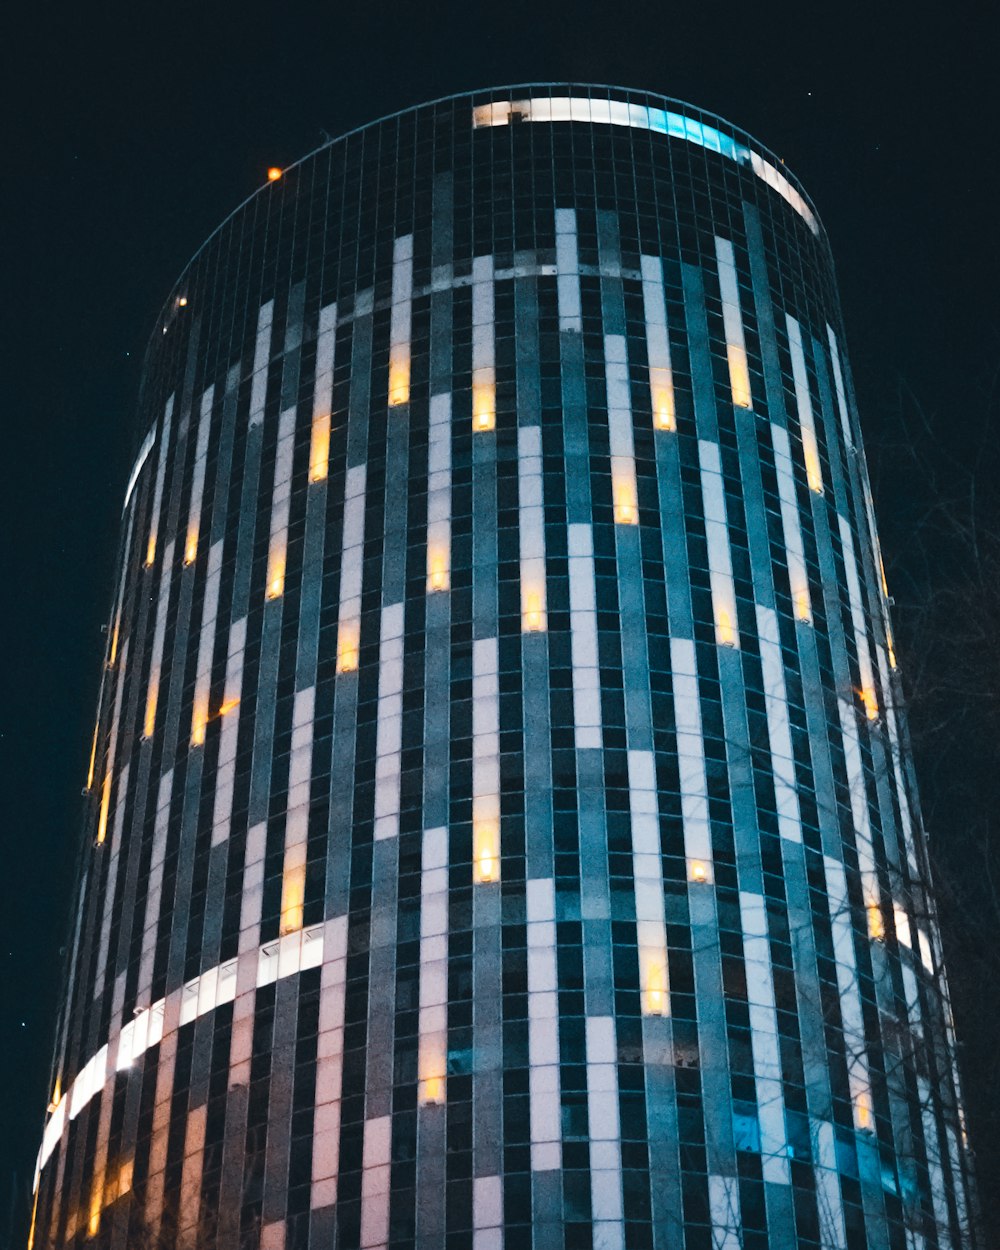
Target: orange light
(662,391)
(656,992)
(724,631)
(228,706)
(484,416)
(149,725)
(191,547)
(274,173)
(437,568)
(56,1095)
(432,1091)
(534,615)
(399,376)
(276,574)
(876,925)
(182,302)
(199,722)
(102,819)
(93,758)
(814,474)
(698,871)
(347,648)
(870,703)
(626,508)
(113,654)
(292,898)
(319,451)
(487,860)
(150,550)
(863,1109)
(739,375)
(803,609)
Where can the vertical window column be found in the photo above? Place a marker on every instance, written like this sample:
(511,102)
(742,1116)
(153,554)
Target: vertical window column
(206,646)
(736,351)
(483,347)
(869,696)
(319,438)
(543,1026)
(329,1075)
(439,494)
(623,487)
(277,554)
(803,404)
(351,570)
(161,470)
(198,476)
(798,580)
(661,375)
(647,873)
(485,761)
(159,635)
(400,320)
(583,637)
(531,529)
(778,730)
(691,761)
(293,877)
(720,567)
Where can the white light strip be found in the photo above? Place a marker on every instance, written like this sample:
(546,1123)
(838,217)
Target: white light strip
(647,873)
(661,377)
(389,730)
(720,569)
(140,460)
(288,955)
(690,753)
(623,487)
(798,581)
(543,1026)
(605,1133)
(432,1026)
(485,761)
(568,271)
(583,637)
(329,1065)
(868,695)
(838,385)
(261,356)
(639,117)
(439,494)
(531,529)
(764,1044)
(724,1212)
(803,404)
(351,570)
(779,734)
(226,763)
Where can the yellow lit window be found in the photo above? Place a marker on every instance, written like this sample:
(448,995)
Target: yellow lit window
(94,1216)
(191,547)
(486,852)
(876,925)
(276,572)
(228,706)
(484,415)
(699,871)
(113,651)
(739,375)
(533,612)
(891,648)
(149,724)
(150,550)
(863,1114)
(814,474)
(626,506)
(432,1091)
(102,816)
(399,375)
(661,388)
(293,896)
(654,999)
(437,567)
(347,648)
(869,701)
(199,720)
(319,448)
(93,757)
(803,608)
(725,629)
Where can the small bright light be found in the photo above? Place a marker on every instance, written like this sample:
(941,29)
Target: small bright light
(699,870)
(182,302)
(274,173)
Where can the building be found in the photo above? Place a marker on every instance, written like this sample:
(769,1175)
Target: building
(501,829)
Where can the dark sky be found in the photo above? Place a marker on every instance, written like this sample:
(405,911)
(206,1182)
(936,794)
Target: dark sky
(130,131)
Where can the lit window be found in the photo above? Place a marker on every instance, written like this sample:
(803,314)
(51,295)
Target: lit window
(276,572)
(319,448)
(626,505)
(876,925)
(102,816)
(93,757)
(149,723)
(662,393)
(739,375)
(150,550)
(199,721)
(274,173)
(399,377)
(191,547)
(293,896)
(347,648)
(484,415)
(437,567)
(869,701)
(486,851)
(863,1113)
(432,1091)
(699,871)
(803,608)
(654,998)
(725,630)
(533,618)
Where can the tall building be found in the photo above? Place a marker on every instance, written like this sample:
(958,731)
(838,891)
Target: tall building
(501,829)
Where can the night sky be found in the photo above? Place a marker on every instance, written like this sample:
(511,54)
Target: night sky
(131,130)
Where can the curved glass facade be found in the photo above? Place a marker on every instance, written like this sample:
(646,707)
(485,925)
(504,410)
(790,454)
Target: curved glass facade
(500,825)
